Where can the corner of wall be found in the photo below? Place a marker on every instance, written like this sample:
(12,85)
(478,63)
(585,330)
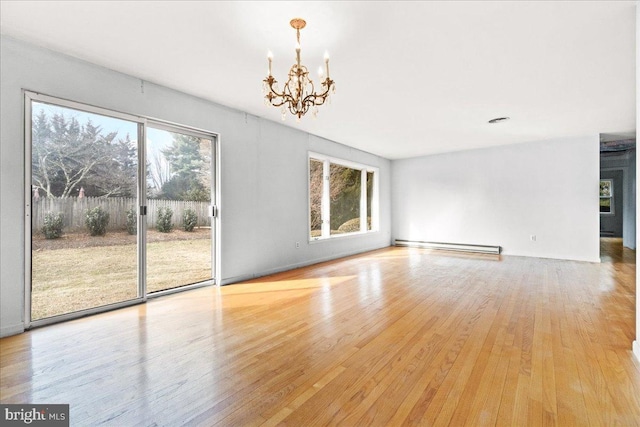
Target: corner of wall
(7,331)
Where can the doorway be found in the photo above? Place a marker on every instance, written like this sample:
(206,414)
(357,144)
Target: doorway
(618,187)
(612,183)
(118,208)
(179,194)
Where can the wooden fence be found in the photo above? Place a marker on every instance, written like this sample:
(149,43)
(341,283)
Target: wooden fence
(75,209)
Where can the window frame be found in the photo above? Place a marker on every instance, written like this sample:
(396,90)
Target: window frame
(326,203)
(143,122)
(610,197)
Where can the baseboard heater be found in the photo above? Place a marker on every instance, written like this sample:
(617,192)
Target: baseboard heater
(484,249)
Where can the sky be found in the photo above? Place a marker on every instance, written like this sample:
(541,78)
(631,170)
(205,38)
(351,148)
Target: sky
(157,140)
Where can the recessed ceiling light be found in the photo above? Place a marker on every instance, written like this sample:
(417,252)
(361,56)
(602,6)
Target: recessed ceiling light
(498,119)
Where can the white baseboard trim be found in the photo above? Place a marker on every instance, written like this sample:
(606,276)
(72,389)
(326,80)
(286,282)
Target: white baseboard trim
(636,350)
(486,249)
(16,329)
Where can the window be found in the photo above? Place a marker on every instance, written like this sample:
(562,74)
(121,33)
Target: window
(343,197)
(606,196)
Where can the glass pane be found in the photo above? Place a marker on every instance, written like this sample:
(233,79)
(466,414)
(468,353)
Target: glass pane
(84,219)
(606,188)
(344,199)
(369,198)
(315,198)
(179,240)
(605,205)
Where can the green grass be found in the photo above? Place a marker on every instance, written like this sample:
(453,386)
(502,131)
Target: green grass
(68,280)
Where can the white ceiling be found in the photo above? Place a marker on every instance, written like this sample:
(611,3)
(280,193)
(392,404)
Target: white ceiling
(413,78)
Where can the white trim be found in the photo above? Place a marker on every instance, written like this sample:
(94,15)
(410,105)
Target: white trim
(375,204)
(325,207)
(342,162)
(326,187)
(340,236)
(217,221)
(83,313)
(26,203)
(142,123)
(363,200)
(16,329)
(142,219)
(612,210)
(636,350)
(29,98)
(485,249)
(213,193)
(176,128)
(177,289)
(87,108)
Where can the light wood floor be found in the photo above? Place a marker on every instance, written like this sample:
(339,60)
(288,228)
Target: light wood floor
(393,337)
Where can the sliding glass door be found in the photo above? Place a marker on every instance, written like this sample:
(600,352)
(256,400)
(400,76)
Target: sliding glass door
(84,177)
(179,216)
(117,208)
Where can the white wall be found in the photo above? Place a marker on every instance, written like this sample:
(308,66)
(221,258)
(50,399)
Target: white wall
(263,165)
(502,196)
(636,343)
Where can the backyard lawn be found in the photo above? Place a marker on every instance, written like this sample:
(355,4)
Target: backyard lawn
(79,272)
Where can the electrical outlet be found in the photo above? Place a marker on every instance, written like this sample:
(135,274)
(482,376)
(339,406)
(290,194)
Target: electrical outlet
(533,237)
(297,245)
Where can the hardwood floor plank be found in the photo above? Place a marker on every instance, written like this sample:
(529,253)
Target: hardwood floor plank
(486,396)
(394,337)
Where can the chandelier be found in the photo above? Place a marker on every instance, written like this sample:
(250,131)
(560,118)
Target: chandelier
(298,94)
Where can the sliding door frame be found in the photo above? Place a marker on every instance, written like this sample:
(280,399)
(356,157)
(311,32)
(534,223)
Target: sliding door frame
(142,122)
(198,133)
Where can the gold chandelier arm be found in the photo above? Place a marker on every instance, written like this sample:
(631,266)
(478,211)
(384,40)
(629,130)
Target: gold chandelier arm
(323,96)
(312,94)
(270,81)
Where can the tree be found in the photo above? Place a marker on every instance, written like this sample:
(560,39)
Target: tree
(315,193)
(189,168)
(116,174)
(184,155)
(159,173)
(67,155)
(344,192)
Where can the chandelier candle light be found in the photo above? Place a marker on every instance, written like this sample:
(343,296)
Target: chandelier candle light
(299,93)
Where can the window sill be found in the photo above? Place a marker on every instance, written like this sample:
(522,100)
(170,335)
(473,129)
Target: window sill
(342,236)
